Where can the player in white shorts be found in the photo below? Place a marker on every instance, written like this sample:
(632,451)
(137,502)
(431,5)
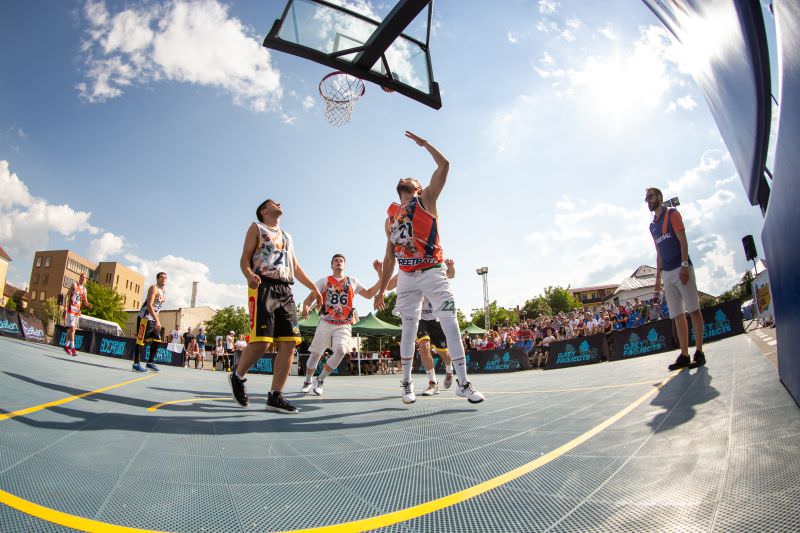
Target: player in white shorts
(412,239)
(336,319)
(76,297)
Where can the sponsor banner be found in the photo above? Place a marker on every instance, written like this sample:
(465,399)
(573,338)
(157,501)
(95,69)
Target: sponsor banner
(32,328)
(83,338)
(578,351)
(763,297)
(9,323)
(491,361)
(163,355)
(264,364)
(654,337)
(720,321)
(113,346)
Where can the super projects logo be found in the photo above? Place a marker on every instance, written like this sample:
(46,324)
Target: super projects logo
(653,342)
(570,355)
(500,363)
(720,326)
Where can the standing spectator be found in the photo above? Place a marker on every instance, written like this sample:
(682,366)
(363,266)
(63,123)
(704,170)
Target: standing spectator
(187,337)
(680,288)
(230,341)
(201,341)
(653,312)
(238,348)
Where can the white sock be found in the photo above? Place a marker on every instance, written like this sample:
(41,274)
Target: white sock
(406,364)
(431,375)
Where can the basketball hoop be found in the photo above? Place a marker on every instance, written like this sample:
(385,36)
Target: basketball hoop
(340,92)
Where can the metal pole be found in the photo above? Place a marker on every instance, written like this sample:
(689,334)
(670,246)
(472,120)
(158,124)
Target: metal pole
(485,301)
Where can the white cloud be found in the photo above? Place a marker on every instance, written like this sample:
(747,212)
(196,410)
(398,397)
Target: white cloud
(547,6)
(288,119)
(194,42)
(26,221)
(308,102)
(709,161)
(181,273)
(608,32)
(574,23)
(512,37)
(686,102)
(105,246)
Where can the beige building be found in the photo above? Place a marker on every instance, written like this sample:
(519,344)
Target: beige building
(128,283)
(174,319)
(5,259)
(593,295)
(54,272)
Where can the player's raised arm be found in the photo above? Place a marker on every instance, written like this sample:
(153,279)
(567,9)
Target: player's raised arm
(249,248)
(451,268)
(388,268)
(431,193)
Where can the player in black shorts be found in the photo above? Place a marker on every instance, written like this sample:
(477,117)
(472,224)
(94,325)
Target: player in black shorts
(270,266)
(148,325)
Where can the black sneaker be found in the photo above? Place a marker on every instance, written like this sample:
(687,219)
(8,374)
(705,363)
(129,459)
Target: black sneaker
(238,390)
(276,402)
(699,360)
(681,362)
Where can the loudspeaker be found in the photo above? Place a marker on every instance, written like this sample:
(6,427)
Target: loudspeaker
(749,247)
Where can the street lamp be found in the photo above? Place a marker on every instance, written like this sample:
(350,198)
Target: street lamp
(482,272)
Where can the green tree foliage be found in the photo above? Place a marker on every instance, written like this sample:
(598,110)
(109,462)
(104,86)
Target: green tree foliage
(227,319)
(498,316)
(535,307)
(11,305)
(560,300)
(48,312)
(385,314)
(462,319)
(106,303)
(741,291)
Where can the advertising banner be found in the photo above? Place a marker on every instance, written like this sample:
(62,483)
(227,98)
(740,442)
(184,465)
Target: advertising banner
(32,328)
(763,297)
(578,351)
(264,364)
(164,356)
(720,321)
(654,337)
(488,361)
(83,339)
(9,324)
(113,346)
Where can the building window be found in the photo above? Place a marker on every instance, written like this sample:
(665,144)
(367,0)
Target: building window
(35,278)
(47,261)
(124,300)
(39,261)
(45,276)
(41,296)
(117,283)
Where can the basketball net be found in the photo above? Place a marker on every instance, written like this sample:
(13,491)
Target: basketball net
(340,91)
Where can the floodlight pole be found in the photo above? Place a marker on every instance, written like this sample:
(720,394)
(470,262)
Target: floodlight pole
(483,272)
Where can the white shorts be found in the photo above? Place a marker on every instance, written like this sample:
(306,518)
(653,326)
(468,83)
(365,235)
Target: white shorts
(73,320)
(412,287)
(334,336)
(680,298)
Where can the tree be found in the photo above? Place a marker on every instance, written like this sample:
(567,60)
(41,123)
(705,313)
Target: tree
(11,305)
(560,300)
(385,314)
(106,303)
(227,319)
(537,306)
(462,319)
(498,316)
(48,312)
(740,291)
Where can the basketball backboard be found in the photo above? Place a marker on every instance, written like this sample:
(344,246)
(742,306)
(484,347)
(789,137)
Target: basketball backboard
(380,51)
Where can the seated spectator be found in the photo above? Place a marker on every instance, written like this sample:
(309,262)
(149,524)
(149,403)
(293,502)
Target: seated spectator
(192,353)
(238,348)
(220,354)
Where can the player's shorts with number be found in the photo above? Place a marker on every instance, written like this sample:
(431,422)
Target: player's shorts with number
(431,330)
(273,315)
(413,286)
(146,332)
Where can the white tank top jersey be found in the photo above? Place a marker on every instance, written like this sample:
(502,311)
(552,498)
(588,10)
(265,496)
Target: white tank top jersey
(274,254)
(158,302)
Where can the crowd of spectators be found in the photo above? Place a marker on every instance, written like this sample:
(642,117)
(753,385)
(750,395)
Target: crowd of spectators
(537,334)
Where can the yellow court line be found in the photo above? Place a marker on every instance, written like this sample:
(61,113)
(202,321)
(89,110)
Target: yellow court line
(21,412)
(188,400)
(375,522)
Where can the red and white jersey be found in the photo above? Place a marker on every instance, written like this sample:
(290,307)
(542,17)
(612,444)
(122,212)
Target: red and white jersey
(338,295)
(76,299)
(415,235)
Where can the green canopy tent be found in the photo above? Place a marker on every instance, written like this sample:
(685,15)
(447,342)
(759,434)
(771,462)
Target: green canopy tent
(472,329)
(372,326)
(309,325)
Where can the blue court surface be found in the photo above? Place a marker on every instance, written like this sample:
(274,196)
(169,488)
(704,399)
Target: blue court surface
(623,446)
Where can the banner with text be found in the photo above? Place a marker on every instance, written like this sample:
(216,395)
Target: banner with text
(164,356)
(720,321)
(578,351)
(763,297)
(9,323)
(32,328)
(654,337)
(264,364)
(113,346)
(83,339)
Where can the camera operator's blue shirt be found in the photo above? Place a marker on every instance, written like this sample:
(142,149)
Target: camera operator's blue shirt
(663,231)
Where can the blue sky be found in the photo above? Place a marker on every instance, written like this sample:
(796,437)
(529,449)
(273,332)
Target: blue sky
(148,132)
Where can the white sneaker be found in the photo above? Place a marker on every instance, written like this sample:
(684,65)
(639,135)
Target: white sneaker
(408,391)
(306,387)
(469,392)
(433,388)
(448,380)
(317,388)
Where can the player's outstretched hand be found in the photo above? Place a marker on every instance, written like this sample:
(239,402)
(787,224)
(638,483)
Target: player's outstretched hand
(379,303)
(419,140)
(378,266)
(449,263)
(306,308)
(318,297)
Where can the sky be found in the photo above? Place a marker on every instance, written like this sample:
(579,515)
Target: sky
(148,132)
